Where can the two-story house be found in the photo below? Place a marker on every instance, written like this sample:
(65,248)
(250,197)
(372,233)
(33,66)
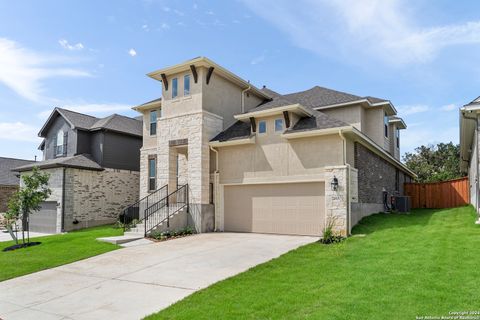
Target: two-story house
(259,161)
(94,169)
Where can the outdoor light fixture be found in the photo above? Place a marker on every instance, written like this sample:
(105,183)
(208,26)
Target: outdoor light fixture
(334,184)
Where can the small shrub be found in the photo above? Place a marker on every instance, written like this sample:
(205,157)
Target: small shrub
(164,235)
(329,235)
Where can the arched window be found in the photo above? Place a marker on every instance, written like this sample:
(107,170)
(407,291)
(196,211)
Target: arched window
(60,143)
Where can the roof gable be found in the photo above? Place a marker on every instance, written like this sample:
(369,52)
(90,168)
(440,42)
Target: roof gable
(7,176)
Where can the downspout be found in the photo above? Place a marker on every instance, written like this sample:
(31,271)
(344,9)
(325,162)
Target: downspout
(216,178)
(63,200)
(349,216)
(243,98)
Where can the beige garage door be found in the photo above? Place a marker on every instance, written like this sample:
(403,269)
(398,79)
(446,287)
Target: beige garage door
(287,208)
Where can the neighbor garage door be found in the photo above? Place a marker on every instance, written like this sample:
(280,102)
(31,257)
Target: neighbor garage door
(287,208)
(45,220)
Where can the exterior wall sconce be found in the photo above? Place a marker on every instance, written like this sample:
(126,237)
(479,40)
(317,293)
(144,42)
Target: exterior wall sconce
(334,184)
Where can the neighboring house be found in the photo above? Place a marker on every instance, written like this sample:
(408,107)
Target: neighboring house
(259,161)
(94,169)
(9,180)
(469,145)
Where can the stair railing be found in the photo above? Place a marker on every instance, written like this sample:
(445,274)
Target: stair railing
(135,213)
(161,211)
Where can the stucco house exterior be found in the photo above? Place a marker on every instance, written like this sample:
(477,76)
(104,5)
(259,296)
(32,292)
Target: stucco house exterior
(94,169)
(469,156)
(259,161)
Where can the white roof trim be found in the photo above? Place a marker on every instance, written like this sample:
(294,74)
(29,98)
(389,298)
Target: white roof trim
(404,126)
(274,111)
(217,144)
(313,133)
(394,111)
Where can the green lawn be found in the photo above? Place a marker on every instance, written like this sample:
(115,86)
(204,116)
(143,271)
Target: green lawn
(395,267)
(54,251)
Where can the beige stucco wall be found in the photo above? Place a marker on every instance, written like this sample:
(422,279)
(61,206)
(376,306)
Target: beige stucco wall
(374,126)
(350,114)
(273,158)
(149,141)
(224,98)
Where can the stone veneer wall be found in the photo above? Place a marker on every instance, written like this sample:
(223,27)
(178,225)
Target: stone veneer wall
(336,202)
(198,128)
(98,197)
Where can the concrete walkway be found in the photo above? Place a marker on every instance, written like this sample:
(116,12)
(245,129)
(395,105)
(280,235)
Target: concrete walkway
(133,282)
(5,236)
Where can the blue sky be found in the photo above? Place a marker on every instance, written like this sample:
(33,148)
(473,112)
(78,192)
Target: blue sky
(92,56)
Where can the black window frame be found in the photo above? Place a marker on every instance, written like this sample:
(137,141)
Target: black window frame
(397,137)
(385,123)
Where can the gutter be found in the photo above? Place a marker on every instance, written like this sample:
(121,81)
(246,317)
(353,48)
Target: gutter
(243,98)
(215,187)
(349,213)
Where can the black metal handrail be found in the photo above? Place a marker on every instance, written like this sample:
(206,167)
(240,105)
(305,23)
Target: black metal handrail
(136,211)
(161,211)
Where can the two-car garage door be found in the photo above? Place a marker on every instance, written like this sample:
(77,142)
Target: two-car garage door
(287,208)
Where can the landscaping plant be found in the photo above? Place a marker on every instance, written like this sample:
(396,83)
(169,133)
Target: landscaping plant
(24,202)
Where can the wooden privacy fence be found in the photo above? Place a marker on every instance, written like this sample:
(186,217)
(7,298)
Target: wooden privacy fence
(446,194)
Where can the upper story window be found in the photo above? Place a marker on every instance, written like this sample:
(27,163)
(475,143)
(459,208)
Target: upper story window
(397,137)
(385,124)
(60,146)
(186,85)
(262,126)
(279,125)
(174,88)
(153,122)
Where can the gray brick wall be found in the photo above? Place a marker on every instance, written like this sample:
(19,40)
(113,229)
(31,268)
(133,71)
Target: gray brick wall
(374,174)
(5,193)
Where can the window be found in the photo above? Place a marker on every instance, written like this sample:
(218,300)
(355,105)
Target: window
(397,137)
(60,143)
(262,126)
(153,122)
(152,173)
(278,125)
(186,85)
(174,88)
(385,123)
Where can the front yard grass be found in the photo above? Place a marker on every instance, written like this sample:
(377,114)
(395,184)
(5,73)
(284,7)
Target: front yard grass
(394,267)
(55,250)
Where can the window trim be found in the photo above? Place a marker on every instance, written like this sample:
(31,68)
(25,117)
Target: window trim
(266,127)
(153,123)
(60,134)
(154,158)
(275,126)
(185,93)
(174,88)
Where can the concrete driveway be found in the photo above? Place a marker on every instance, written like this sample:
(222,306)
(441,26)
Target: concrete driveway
(133,282)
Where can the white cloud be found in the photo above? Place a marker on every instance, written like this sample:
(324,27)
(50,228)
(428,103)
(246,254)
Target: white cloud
(450,107)
(166,9)
(18,131)
(427,133)
(132,52)
(178,12)
(210,12)
(195,6)
(72,47)
(24,71)
(371,28)
(258,59)
(145,27)
(412,109)
(90,108)
(165,26)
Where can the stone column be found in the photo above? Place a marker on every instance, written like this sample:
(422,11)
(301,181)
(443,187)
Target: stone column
(336,202)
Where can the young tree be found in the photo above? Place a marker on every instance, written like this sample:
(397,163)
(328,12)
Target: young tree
(435,163)
(26,201)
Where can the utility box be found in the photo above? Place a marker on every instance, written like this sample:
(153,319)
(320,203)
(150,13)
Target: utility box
(402,204)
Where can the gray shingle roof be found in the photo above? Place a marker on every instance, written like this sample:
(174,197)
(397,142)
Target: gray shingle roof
(318,121)
(152,101)
(239,130)
(113,122)
(7,176)
(119,123)
(82,161)
(474,102)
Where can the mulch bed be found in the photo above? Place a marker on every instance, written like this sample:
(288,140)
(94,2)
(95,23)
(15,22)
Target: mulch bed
(21,245)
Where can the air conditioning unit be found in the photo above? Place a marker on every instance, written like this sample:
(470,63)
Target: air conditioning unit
(401,203)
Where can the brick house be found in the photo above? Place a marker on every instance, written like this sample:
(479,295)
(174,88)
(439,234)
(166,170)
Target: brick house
(9,180)
(94,169)
(259,161)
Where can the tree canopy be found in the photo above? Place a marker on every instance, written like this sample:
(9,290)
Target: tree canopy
(435,163)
